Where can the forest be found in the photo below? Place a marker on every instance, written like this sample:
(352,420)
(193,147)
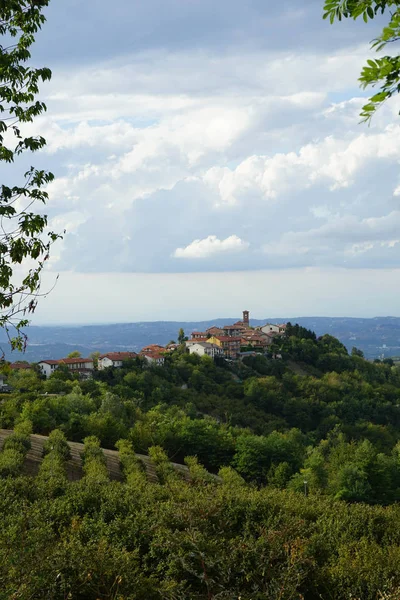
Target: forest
(294,478)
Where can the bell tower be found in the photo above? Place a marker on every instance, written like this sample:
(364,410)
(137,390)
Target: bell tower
(246,318)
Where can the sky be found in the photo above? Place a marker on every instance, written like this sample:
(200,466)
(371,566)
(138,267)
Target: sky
(209,158)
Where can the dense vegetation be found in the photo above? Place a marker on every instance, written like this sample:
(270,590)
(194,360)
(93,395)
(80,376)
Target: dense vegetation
(301,444)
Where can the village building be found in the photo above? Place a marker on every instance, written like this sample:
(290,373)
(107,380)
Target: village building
(272,328)
(47,367)
(114,359)
(234,330)
(230,345)
(154,354)
(154,358)
(255,339)
(83,366)
(19,366)
(214,331)
(200,335)
(204,349)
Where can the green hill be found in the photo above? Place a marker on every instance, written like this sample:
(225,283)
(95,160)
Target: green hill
(306,448)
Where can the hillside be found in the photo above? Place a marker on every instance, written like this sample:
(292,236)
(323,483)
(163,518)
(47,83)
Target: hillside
(374,337)
(305,505)
(74,471)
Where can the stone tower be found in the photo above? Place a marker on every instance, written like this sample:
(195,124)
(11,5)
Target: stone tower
(246,318)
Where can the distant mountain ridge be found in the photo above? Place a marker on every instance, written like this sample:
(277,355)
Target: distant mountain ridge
(375,336)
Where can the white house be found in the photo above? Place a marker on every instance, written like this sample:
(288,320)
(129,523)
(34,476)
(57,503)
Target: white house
(114,359)
(205,348)
(48,367)
(83,366)
(271,328)
(154,358)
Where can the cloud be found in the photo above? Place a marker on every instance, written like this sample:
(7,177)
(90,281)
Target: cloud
(155,145)
(210,246)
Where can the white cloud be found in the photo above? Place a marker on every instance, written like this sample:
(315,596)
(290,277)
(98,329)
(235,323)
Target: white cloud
(333,160)
(211,246)
(193,138)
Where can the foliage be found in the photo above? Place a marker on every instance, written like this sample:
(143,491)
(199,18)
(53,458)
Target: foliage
(94,461)
(320,414)
(57,444)
(384,71)
(22,241)
(15,448)
(206,538)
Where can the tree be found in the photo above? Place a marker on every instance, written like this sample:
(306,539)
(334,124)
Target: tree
(383,72)
(357,352)
(24,240)
(74,354)
(95,357)
(181,336)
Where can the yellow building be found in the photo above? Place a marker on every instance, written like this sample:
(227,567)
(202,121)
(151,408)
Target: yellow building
(230,345)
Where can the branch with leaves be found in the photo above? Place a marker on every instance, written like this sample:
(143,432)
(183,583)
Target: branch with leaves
(382,72)
(25,241)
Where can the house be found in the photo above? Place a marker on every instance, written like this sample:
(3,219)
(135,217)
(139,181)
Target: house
(47,367)
(114,359)
(230,345)
(154,354)
(172,347)
(83,366)
(153,348)
(19,365)
(205,349)
(214,331)
(154,358)
(200,335)
(271,328)
(255,339)
(234,330)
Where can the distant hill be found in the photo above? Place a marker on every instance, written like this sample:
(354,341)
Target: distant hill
(377,336)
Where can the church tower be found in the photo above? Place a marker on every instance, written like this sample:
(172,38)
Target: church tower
(246,318)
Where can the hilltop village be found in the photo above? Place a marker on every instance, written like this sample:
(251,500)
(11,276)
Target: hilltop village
(233,342)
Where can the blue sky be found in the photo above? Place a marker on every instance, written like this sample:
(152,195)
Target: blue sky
(208,155)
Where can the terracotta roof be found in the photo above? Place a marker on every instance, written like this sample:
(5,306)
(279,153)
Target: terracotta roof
(118,355)
(18,365)
(154,355)
(206,344)
(74,361)
(234,326)
(153,348)
(67,361)
(227,338)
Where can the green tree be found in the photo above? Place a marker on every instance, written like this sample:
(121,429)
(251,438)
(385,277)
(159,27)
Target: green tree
(181,336)
(382,72)
(95,357)
(25,380)
(356,352)
(74,354)
(22,238)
